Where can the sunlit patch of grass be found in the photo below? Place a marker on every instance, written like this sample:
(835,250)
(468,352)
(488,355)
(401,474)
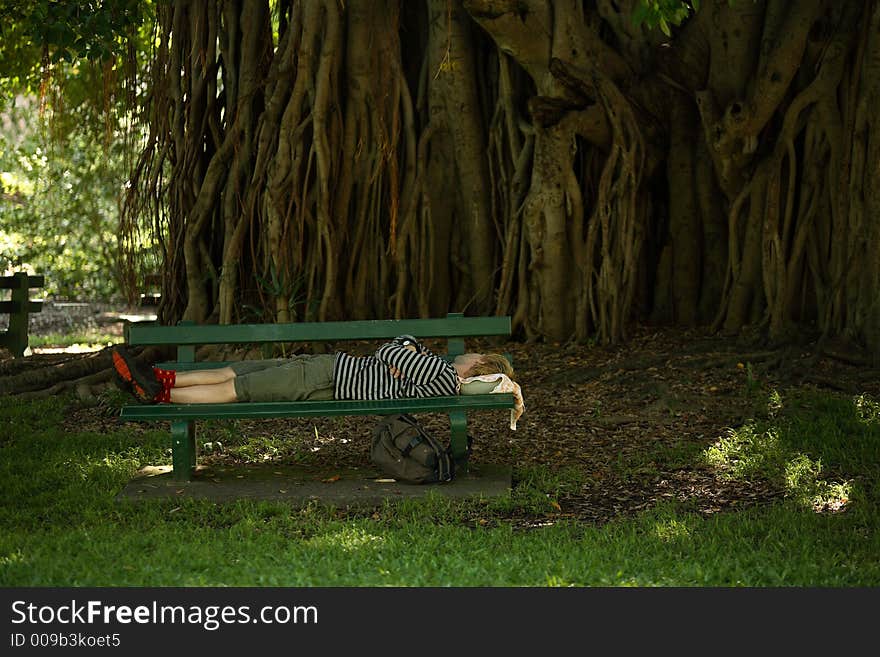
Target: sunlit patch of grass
(867,409)
(802,481)
(779,450)
(747,451)
(104,470)
(671,529)
(345,538)
(86,340)
(12,558)
(257,450)
(774,403)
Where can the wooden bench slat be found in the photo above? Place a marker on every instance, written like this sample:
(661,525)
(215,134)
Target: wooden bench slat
(10,282)
(317,331)
(179,412)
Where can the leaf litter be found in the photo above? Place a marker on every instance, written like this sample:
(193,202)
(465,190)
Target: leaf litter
(626,422)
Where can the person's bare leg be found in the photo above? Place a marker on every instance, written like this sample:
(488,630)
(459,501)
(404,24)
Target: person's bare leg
(203,377)
(212,393)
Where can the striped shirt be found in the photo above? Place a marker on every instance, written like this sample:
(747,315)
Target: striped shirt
(423,373)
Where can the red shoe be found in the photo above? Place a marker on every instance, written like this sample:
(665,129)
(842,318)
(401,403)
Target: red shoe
(136,379)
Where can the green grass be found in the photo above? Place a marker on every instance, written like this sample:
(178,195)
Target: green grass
(61,526)
(87,338)
(824,449)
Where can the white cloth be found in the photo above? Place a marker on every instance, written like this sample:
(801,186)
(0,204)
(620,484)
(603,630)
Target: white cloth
(505,384)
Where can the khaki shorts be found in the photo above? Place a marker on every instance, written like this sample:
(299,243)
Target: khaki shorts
(306,377)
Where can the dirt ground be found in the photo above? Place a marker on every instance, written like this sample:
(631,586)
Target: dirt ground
(599,409)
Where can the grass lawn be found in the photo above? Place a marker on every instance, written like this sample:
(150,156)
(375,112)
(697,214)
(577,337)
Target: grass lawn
(61,526)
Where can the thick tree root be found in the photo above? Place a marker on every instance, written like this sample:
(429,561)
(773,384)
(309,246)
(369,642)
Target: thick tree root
(47,377)
(85,387)
(96,368)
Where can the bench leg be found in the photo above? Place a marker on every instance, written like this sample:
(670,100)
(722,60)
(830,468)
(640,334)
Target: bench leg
(17,332)
(183,449)
(459,440)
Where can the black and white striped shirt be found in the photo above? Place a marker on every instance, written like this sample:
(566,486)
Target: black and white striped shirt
(423,373)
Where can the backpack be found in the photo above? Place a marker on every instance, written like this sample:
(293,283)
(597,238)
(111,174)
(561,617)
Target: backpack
(402,449)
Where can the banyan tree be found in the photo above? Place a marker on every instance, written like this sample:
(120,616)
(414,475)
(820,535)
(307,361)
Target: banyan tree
(559,161)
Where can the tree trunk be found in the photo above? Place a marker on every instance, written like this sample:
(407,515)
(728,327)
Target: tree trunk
(452,79)
(684,215)
(518,157)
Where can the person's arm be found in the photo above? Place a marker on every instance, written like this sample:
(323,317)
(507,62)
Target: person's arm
(419,365)
(409,342)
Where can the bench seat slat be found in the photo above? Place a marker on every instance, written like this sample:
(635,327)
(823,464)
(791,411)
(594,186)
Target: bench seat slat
(139,334)
(178,412)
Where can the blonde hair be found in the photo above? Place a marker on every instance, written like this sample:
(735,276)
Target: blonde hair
(491,364)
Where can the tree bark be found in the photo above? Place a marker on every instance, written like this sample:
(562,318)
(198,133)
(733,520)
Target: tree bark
(453,89)
(518,157)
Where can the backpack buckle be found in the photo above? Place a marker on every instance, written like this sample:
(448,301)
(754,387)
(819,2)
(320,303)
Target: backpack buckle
(415,442)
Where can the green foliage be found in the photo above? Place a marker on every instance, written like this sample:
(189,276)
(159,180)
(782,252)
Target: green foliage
(67,103)
(278,284)
(59,210)
(662,13)
(37,33)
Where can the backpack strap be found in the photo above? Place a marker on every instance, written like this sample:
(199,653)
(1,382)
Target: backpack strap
(417,439)
(415,442)
(445,465)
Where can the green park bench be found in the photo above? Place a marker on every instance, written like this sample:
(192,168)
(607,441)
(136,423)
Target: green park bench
(15,337)
(186,336)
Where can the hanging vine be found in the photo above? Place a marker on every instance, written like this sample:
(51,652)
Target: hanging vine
(552,161)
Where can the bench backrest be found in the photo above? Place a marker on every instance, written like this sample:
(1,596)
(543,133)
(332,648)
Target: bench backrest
(18,308)
(15,281)
(456,327)
(20,283)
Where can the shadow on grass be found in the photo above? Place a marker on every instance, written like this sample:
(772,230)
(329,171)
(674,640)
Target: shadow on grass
(63,527)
